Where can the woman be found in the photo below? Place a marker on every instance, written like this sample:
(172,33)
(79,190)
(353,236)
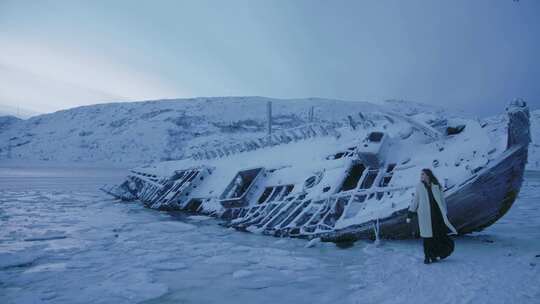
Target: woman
(433,222)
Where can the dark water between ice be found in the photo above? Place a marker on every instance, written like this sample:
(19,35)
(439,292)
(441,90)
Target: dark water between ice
(53,178)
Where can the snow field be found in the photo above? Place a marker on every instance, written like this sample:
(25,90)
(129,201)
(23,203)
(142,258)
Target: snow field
(61,245)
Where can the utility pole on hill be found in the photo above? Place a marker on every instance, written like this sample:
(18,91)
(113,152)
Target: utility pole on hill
(269,117)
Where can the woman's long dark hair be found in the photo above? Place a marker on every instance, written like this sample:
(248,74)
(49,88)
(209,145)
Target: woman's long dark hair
(431,176)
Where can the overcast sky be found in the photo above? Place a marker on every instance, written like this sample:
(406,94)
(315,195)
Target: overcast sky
(474,55)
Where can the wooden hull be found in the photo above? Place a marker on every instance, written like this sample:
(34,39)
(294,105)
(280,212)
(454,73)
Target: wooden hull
(473,205)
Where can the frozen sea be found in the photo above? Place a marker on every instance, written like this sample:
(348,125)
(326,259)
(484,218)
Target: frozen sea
(63,241)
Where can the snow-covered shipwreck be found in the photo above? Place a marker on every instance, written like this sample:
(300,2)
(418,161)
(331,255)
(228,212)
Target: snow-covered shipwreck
(345,183)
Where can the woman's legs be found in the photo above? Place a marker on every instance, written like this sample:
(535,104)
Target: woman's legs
(440,246)
(437,247)
(428,250)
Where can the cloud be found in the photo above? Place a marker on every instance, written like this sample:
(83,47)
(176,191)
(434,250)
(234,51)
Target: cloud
(45,78)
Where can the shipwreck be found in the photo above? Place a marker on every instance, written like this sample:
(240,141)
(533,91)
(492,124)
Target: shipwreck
(344,182)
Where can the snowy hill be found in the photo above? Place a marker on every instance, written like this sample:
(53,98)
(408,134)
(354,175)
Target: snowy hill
(7,121)
(137,132)
(16,112)
(128,134)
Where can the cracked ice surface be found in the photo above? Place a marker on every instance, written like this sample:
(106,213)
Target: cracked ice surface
(62,241)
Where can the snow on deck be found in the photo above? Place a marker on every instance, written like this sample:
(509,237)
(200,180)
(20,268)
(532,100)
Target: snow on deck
(63,243)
